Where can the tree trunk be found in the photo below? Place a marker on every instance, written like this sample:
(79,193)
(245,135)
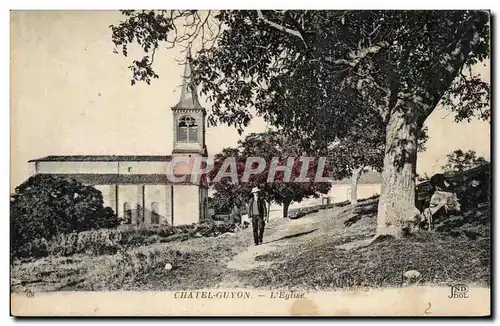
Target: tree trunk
(354,185)
(286,204)
(397,198)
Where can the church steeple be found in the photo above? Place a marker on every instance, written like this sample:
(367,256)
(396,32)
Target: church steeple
(189,90)
(189,117)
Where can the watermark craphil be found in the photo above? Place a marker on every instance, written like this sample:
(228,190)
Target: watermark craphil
(249,170)
(275,169)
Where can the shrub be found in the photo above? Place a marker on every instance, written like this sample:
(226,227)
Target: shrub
(110,241)
(36,248)
(45,206)
(94,242)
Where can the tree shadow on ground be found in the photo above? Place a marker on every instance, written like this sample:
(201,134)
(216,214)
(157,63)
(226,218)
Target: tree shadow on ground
(293,235)
(367,209)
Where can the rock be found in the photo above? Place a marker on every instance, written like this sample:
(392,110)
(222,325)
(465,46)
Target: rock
(198,235)
(168,267)
(412,276)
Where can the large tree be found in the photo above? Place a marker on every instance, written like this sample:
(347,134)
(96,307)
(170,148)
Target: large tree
(305,70)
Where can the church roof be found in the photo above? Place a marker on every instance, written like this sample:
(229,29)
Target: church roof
(104,158)
(189,92)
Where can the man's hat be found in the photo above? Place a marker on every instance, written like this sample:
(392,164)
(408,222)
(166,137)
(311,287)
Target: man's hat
(255,189)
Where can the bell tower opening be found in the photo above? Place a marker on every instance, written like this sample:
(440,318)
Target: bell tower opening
(187,129)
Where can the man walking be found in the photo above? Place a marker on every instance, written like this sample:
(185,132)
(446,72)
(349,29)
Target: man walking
(257,212)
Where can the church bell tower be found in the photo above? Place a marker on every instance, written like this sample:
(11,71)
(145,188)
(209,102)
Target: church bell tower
(189,143)
(189,119)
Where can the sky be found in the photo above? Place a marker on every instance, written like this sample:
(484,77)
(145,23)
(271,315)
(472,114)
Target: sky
(71,95)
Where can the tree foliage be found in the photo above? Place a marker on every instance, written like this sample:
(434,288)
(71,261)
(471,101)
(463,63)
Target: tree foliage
(362,147)
(267,146)
(44,206)
(459,161)
(258,58)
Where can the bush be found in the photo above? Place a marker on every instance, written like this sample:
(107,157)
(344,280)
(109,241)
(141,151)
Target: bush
(94,242)
(37,248)
(110,241)
(45,206)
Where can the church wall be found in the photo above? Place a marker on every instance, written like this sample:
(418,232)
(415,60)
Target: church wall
(143,167)
(190,146)
(77,167)
(129,194)
(184,166)
(101,167)
(186,204)
(159,194)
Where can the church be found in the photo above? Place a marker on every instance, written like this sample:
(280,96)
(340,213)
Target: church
(137,187)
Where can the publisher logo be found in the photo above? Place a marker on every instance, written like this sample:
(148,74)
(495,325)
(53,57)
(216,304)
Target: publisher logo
(459,291)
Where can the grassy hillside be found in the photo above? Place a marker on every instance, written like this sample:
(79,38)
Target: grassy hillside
(458,252)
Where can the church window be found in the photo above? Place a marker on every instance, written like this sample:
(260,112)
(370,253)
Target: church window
(155,216)
(187,130)
(127,213)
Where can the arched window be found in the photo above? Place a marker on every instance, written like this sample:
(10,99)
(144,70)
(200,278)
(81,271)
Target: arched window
(155,217)
(127,213)
(187,130)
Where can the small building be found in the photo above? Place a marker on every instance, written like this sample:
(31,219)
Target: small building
(140,188)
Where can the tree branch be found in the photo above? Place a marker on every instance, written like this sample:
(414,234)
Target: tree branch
(356,56)
(282,28)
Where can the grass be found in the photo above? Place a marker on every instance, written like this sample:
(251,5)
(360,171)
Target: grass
(197,263)
(439,259)
(459,252)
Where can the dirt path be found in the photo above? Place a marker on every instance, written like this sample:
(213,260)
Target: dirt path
(285,232)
